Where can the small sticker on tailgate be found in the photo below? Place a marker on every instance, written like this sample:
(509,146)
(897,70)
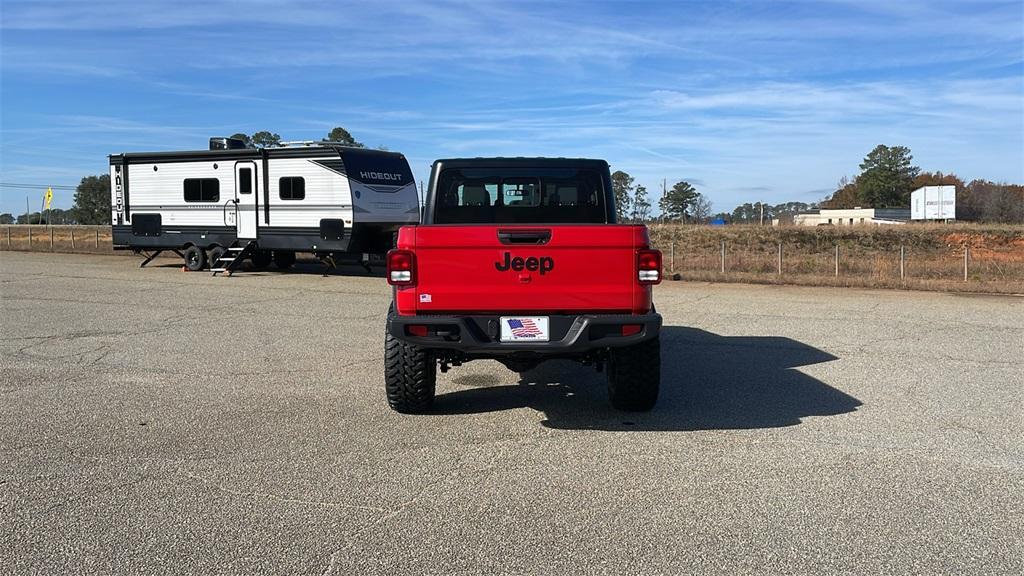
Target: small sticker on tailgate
(524,329)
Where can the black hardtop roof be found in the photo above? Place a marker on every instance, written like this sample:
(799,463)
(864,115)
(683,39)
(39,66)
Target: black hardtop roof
(520,161)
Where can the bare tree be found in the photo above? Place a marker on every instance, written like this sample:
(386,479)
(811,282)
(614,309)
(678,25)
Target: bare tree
(641,206)
(701,208)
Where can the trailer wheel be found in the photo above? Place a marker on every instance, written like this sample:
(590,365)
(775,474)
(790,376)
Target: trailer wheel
(284,260)
(261,259)
(215,254)
(410,375)
(634,376)
(195,258)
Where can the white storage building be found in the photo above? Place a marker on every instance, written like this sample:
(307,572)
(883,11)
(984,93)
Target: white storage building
(852,217)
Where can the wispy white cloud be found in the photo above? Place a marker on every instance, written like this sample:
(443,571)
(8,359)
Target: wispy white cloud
(741,96)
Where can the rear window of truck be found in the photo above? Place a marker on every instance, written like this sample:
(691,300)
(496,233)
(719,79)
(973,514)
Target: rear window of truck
(519,196)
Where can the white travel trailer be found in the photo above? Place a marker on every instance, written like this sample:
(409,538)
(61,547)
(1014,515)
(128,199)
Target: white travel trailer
(232,203)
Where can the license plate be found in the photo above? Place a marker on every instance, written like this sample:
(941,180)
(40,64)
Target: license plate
(524,329)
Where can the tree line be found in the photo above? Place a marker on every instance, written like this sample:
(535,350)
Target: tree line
(761,213)
(267,139)
(54,216)
(92,206)
(681,203)
(888,176)
(886,179)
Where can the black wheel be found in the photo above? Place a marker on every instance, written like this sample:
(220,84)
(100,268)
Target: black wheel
(284,260)
(410,375)
(195,258)
(634,376)
(215,253)
(261,259)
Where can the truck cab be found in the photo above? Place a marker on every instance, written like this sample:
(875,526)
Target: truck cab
(521,260)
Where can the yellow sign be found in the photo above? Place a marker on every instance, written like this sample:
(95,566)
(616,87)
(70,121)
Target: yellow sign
(49,197)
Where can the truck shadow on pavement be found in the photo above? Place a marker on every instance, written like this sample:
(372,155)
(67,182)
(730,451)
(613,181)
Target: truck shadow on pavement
(305,267)
(310,267)
(708,382)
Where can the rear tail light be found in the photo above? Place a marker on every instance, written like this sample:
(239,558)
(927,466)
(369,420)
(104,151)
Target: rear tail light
(648,266)
(416,330)
(401,268)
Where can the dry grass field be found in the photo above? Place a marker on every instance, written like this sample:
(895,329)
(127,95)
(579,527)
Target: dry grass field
(869,256)
(77,239)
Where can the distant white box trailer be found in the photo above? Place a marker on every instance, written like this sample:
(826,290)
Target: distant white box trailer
(933,203)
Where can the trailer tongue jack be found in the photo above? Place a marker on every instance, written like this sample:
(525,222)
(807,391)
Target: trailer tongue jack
(149,257)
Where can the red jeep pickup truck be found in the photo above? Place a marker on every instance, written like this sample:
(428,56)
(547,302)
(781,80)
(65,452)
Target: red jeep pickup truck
(520,260)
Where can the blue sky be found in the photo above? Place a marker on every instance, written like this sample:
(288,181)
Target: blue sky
(749,101)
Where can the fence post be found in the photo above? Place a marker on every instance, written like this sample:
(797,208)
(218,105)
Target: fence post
(672,258)
(29,236)
(8,237)
(967,252)
(723,256)
(837,260)
(51,238)
(97,238)
(780,258)
(903,263)
(72,238)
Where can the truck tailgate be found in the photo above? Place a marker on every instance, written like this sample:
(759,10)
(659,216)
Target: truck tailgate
(513,268)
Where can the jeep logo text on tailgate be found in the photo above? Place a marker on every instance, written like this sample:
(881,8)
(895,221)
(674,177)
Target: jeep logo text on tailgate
(544,264)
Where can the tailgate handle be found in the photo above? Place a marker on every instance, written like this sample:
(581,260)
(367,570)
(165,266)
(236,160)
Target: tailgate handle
(524,236)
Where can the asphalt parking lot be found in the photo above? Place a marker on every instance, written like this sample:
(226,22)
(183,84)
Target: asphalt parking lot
(158,422)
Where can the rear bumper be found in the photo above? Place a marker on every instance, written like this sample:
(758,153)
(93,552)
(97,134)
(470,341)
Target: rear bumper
(570,335)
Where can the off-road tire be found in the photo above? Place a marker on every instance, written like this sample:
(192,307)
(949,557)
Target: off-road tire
(634,376)
(195,258)
(410,375)
(284,260)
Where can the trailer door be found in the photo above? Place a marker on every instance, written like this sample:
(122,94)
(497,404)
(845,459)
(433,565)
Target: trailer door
(245,199)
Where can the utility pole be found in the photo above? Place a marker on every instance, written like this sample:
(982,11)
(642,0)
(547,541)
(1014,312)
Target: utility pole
(664,188)
(27,216)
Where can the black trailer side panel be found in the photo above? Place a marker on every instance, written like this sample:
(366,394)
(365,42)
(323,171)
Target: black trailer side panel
(172,237)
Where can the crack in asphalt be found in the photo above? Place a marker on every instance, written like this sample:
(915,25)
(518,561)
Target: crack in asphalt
(403,506)
(284,499)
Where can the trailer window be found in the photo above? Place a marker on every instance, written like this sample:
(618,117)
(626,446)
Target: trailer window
(245,181)
(202,189)
(292,187)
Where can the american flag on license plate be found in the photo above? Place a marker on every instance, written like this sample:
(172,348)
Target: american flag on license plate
(524,328)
